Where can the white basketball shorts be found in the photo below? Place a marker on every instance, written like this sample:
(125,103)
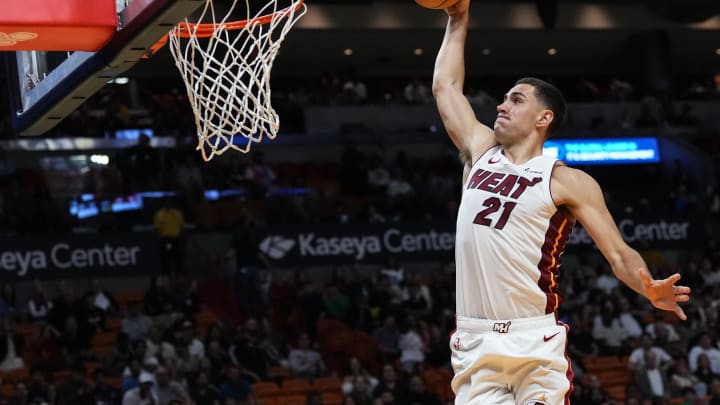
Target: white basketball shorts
(517,361)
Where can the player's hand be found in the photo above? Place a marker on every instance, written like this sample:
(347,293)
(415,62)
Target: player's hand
(664,294)
(460,7)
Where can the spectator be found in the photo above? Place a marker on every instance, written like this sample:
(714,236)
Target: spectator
(418,395)
(704,346)
(608,332)
(627,319)
(158,297)
(260,177)
(305,362)
(156,346)
(411,347)
(337,304)
(386,337)
(204,393)
(637,356)
(357,370)
(236,388)
(682,378)
(703,372)
(168,390)
(131,377)
(103,299)
(361,393)
(11,346)
(188,338)
(74,344)
(9,304)
(135,324)
(390,383)
(102,392)
(169,225)
(39,305)
(651,380)
(142,394)
(75,390)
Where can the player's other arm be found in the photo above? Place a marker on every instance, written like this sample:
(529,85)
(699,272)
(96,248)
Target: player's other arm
(582,196)
(470,136)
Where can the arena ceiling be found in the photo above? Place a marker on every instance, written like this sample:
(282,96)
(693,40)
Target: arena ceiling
(390,37)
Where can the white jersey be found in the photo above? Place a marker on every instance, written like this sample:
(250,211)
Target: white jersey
(510,236)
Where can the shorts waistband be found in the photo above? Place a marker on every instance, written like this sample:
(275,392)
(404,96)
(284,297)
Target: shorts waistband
(479,325)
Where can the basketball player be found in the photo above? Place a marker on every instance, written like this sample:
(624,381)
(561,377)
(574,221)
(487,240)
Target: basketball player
(516,213)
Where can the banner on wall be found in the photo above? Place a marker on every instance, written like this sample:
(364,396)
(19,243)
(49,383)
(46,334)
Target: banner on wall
(93,255)
(343,244)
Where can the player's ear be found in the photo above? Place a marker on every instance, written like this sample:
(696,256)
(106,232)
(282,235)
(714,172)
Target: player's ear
(545,119)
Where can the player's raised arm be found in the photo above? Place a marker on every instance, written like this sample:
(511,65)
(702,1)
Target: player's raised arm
(582,196)
(467,133)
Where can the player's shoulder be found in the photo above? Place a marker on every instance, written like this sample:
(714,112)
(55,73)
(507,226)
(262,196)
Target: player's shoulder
(569,184)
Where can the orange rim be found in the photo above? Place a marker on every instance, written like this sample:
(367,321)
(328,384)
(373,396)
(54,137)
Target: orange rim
(188,30)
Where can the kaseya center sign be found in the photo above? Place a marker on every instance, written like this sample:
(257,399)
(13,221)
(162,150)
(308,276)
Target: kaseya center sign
(344,244)
(68,255)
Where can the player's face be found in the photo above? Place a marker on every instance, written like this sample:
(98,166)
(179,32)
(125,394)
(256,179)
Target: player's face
(518,114)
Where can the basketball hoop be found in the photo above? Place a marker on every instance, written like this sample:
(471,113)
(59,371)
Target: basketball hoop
(227,74)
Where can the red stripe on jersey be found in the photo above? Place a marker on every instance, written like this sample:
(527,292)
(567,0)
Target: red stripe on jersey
(555,238)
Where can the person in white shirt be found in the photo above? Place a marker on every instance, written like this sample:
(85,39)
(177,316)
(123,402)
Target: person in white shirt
(305,362)
(628,320)
(637,357)
(652,381)
(705,347)
(143,393)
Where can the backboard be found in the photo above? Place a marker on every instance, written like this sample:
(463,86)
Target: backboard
(46,86)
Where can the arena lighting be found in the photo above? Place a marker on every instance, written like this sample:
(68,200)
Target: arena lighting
(348,52)
(100,159)
(418,51)
(552,51)
(486,51)
(717,52)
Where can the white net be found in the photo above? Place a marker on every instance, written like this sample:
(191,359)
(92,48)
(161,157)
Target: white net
(226,67)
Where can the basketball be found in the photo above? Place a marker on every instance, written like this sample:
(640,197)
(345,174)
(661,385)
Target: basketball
(436,4)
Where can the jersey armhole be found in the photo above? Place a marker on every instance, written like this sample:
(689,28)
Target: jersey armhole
(556,163)
(483,155)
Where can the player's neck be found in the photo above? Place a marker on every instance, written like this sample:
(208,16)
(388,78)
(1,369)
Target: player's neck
(521,152)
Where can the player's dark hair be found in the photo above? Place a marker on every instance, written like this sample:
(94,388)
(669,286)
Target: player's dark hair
(552,98)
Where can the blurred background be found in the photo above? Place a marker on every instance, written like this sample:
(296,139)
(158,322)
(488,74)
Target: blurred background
(319,267)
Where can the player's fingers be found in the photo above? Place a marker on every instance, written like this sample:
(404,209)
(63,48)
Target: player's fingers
(682,298)
(680,313)
(681,290)
(672,279)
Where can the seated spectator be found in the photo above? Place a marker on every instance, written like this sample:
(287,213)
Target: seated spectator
(608,332)
(39,305)
(235,387)
(167,390)
(386,337)
(74,344)
(11,346)
(418,395)
(627,319)
(135,324)
(131,377)
(9,305)
(663,334)
(337,304)
(357,370)
(411,346)
(305,362)
(637,356)
(158,296)
(204,393)
(652,381)
(703,372)
(188,337)
(102,299)
(155,346)
(37,388)
(142,394)
(389,382)
(704,346)
(185,363)
(361,393)
(101,391)
(682,378)
(74,390)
